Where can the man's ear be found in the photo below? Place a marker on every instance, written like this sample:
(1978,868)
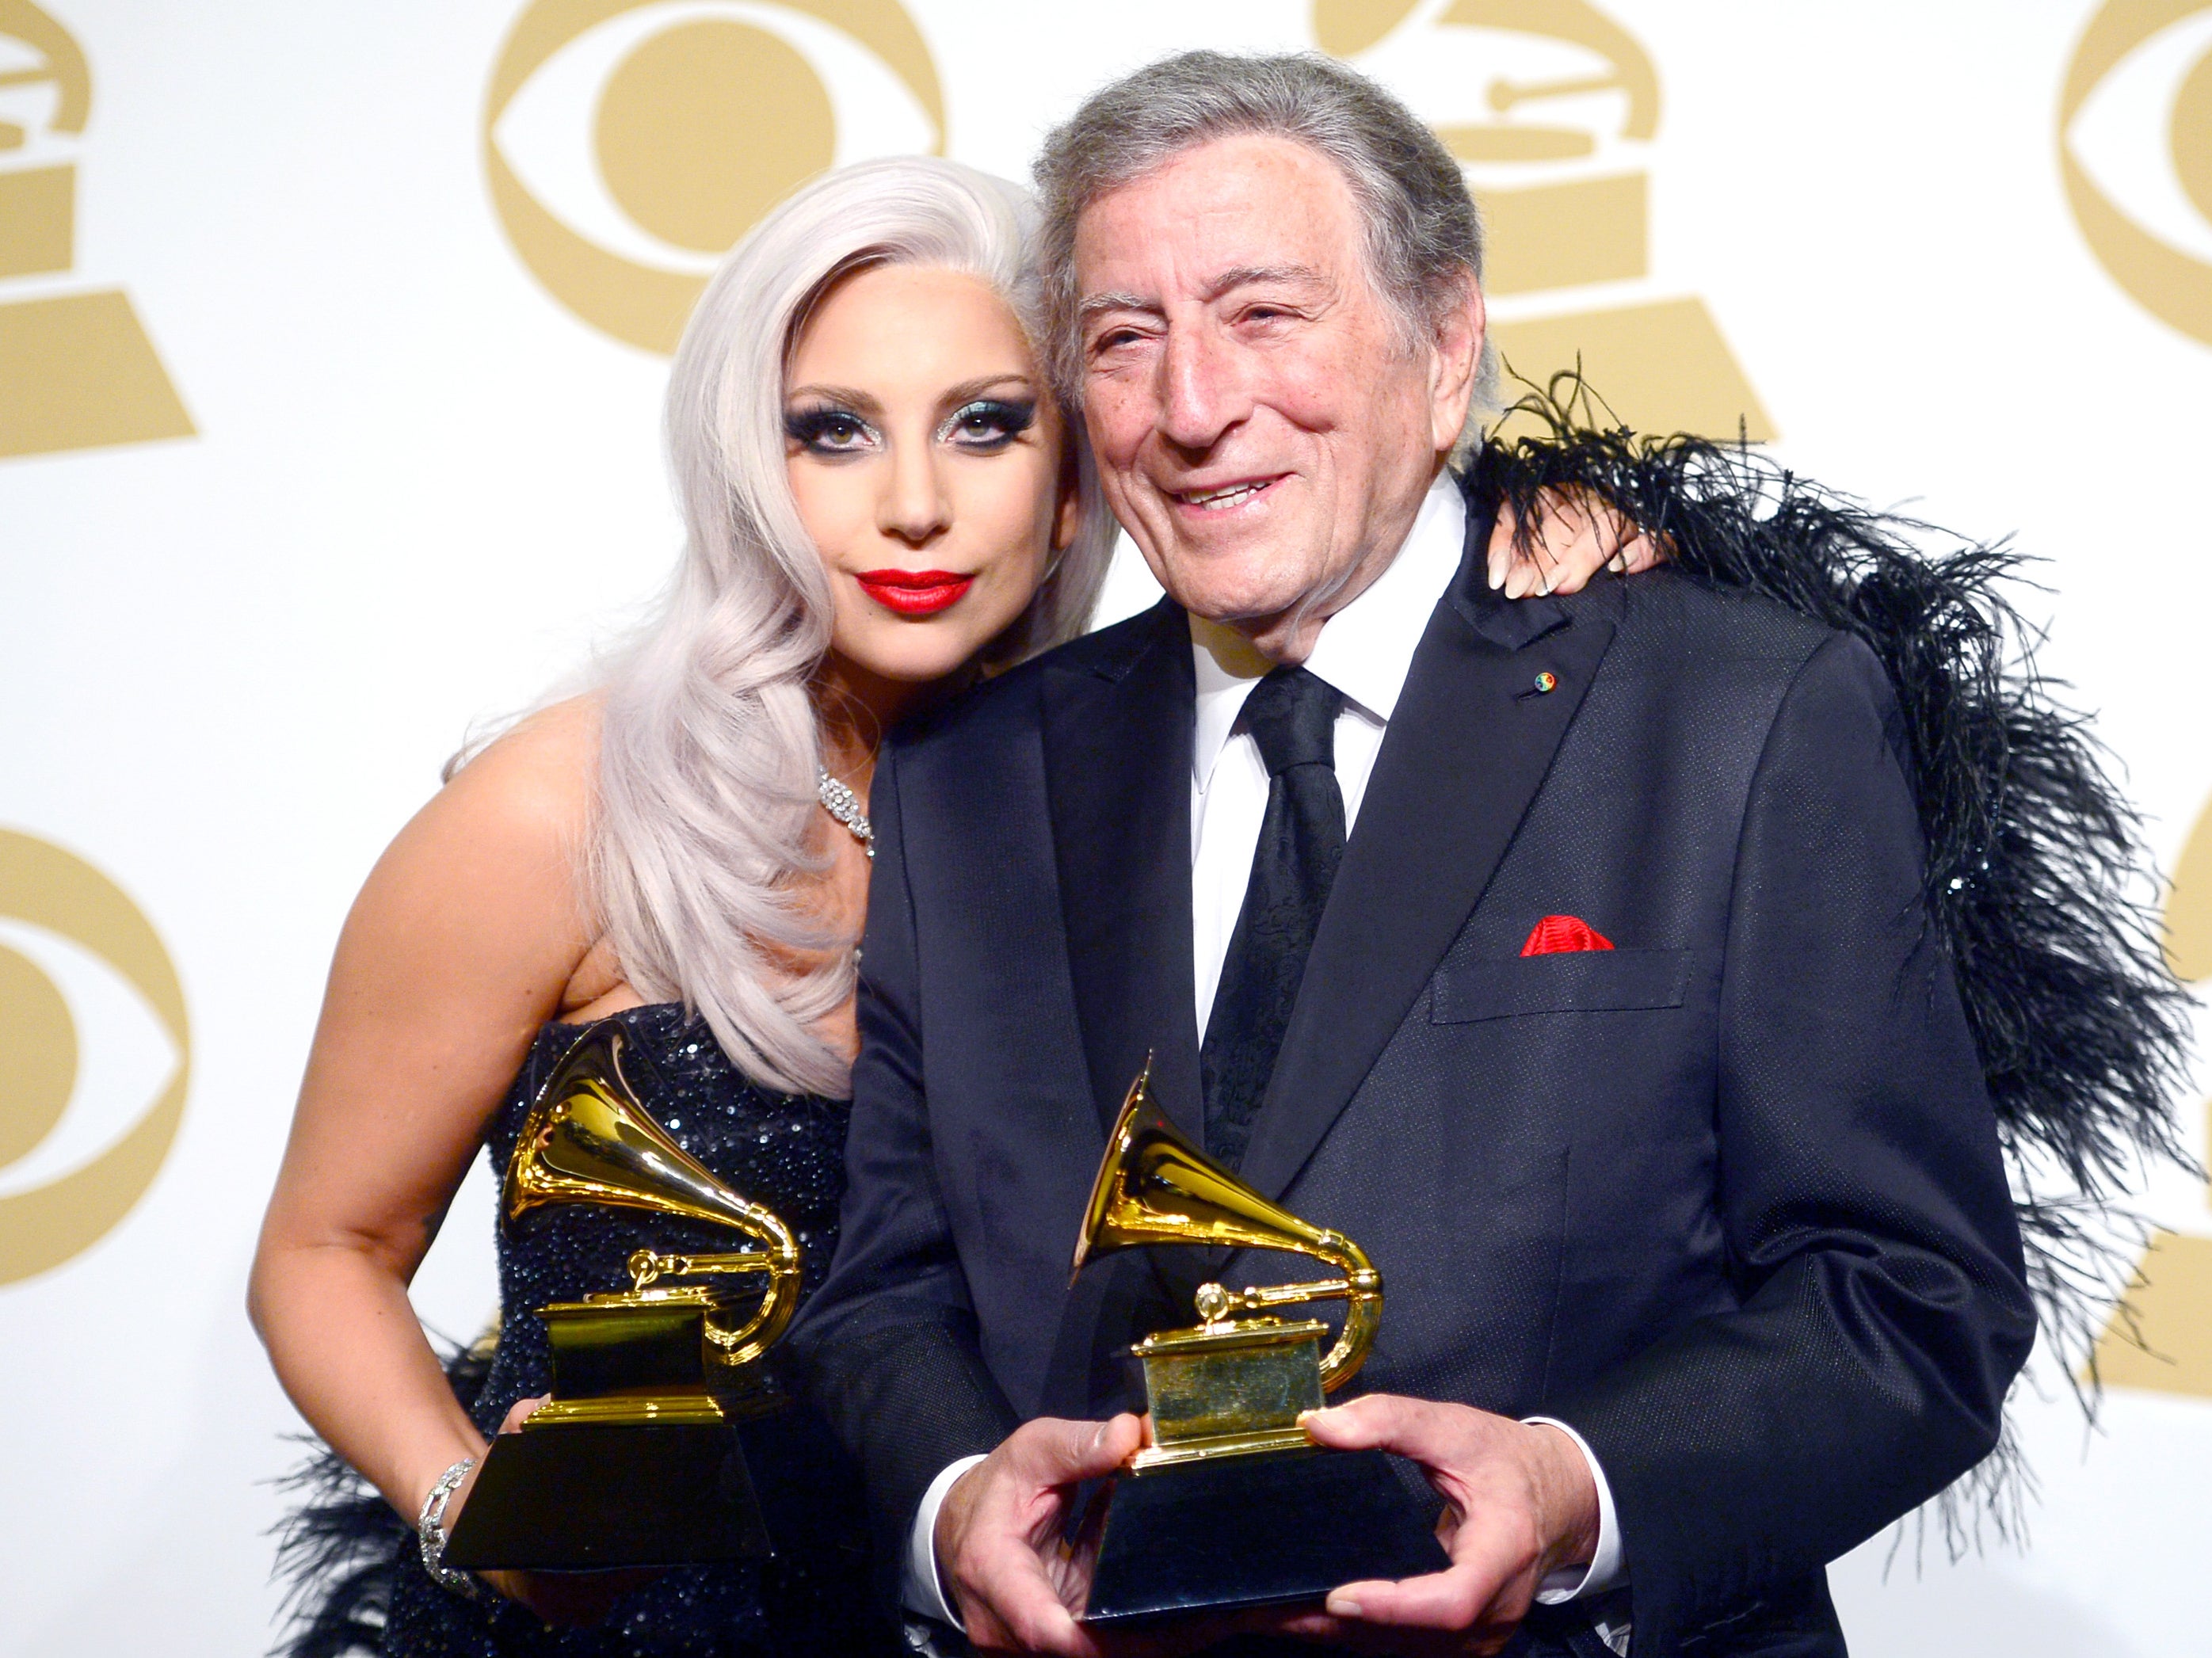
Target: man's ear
(1457,357)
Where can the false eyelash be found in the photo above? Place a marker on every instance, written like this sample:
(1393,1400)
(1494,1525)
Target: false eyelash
(812,426)
(1012,416)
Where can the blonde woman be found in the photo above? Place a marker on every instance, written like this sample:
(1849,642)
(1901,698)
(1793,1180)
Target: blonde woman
(881,501)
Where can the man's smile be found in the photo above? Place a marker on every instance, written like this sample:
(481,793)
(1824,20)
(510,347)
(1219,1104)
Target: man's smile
(1223,497)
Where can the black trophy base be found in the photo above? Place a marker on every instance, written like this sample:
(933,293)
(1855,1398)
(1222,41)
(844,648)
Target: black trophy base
(585,1497)
(1267,1530)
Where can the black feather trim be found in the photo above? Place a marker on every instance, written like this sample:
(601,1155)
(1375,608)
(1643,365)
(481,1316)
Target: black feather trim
(2037,878)
(338,1549)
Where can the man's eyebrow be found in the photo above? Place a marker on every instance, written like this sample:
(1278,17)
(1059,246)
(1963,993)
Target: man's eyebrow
(1244,275)
(1237,277)
(1095,304)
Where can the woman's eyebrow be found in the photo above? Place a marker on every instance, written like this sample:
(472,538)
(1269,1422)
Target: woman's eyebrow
(983,384)
(845,397)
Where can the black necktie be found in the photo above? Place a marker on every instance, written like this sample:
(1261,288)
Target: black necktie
(1292,717)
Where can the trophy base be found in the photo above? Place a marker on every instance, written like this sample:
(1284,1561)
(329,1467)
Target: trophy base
(586,1496)
(1273,1529)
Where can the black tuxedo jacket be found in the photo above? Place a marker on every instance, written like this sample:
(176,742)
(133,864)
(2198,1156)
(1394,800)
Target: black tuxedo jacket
(1727,1197)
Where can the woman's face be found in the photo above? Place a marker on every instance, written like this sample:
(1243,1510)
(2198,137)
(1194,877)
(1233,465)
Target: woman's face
(925,458)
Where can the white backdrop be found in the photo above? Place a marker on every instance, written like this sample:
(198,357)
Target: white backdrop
(400,486)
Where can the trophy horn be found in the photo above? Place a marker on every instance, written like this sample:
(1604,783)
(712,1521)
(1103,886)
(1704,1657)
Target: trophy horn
(1155,1185)
(588,1139)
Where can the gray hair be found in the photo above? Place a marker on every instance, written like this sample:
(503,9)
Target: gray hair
(1424,236)
(709,739)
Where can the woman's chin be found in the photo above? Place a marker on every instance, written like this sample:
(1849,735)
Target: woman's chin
(921,659)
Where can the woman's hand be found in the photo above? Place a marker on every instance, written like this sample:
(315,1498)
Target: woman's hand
(556,1597)
(1575,536)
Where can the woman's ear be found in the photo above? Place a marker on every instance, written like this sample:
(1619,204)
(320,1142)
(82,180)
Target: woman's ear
(1067,510)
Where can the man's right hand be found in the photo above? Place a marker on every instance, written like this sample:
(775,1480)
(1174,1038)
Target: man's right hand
(998,1535)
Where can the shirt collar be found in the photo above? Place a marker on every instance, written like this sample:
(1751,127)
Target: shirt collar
(1366,650)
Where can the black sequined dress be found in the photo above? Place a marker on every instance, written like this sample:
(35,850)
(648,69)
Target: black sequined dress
(355,1563)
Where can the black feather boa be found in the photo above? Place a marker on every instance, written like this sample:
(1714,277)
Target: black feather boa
(2037,878)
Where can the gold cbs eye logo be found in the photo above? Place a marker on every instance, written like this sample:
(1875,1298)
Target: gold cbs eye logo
(78,1146)
(630,143)
(2135,152)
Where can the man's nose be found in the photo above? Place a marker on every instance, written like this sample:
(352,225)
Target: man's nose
(1204,390)
(912,506)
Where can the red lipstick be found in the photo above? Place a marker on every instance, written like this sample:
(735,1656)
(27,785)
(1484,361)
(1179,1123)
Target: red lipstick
(914,593)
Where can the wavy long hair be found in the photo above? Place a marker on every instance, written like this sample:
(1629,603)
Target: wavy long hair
(710,743)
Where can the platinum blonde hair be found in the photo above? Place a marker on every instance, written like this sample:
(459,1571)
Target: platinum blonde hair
(1424,236)
(710,741)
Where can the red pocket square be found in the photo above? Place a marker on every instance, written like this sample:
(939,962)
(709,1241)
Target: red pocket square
(1556,933)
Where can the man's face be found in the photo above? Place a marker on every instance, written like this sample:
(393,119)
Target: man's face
(1262,428)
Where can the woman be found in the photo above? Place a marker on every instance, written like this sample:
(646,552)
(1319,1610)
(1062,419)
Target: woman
(881,501)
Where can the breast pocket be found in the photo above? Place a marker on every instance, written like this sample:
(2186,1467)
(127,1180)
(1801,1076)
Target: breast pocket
(1569,981)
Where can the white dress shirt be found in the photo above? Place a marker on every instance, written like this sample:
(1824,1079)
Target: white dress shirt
(1366,650)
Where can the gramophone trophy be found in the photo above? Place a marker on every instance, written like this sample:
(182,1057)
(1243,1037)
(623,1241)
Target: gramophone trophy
(1230,1504)
(635,1460)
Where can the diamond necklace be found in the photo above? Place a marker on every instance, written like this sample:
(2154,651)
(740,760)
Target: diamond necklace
(842,803)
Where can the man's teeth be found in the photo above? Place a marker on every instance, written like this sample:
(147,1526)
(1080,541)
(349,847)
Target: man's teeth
(1218,500)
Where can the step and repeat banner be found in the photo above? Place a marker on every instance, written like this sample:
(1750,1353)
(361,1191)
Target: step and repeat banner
(331,347)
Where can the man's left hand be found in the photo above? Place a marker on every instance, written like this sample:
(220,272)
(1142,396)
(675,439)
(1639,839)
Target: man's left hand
(1519,1503)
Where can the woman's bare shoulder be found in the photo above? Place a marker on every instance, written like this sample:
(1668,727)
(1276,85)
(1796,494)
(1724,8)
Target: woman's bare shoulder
(541,772)
(491,869)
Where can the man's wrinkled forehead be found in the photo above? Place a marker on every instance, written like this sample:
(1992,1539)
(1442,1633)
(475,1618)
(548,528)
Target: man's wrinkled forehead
(1232,212)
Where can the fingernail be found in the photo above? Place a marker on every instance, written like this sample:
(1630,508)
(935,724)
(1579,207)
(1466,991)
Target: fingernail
(1497,576)
(1338,1606)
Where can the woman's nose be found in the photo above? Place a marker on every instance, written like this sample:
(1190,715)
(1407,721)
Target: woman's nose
(914,507)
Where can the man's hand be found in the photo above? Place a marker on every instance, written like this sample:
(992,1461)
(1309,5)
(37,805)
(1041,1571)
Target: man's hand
(998,1535)
(1519,1503)
(1574,538)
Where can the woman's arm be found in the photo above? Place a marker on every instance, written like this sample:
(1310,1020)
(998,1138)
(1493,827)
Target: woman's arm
(465,940)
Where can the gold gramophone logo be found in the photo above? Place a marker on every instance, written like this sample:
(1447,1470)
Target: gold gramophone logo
(76,369)
(79,1142)
(2135,152)
(1552,108)
(630,143)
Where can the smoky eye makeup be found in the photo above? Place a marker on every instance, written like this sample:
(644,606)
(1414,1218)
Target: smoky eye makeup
(986,425)
(826,430)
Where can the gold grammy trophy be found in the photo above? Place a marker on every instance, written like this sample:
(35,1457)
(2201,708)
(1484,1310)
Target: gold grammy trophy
(635,1460)
(1230,1504)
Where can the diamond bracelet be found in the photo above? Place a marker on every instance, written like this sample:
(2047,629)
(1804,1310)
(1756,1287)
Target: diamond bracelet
(430,1533)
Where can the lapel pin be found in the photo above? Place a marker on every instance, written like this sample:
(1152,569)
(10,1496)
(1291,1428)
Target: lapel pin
(1546,683)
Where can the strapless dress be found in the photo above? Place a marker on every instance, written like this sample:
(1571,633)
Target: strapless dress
(360,1586)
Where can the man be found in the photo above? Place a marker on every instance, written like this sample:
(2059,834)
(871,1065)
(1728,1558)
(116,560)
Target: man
(1566,955)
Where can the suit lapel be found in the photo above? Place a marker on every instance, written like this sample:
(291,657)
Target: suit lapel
(1468,745)
(1118,738)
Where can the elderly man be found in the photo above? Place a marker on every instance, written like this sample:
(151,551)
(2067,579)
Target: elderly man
(1567,954)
